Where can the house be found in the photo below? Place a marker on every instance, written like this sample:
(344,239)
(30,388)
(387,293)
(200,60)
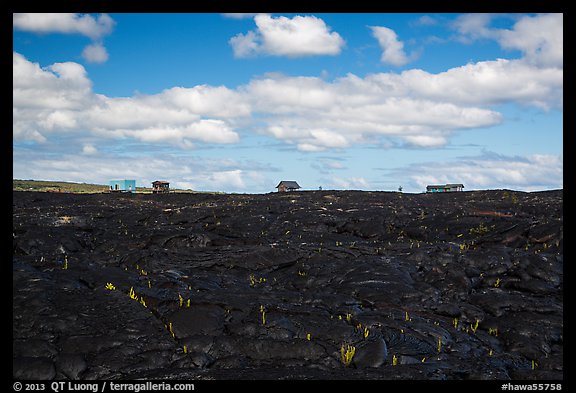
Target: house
(122,185)
(445,188)
(284,186)
(160,186)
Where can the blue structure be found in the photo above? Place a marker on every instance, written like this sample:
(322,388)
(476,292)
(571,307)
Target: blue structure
(122,185)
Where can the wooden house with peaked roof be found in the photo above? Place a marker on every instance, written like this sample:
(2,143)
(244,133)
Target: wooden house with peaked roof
(160,186)
(285,186)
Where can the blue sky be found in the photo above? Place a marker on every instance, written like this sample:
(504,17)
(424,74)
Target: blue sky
(236,103)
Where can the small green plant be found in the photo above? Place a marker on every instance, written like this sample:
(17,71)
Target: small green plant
(347,352)
(263,312)
(253,280)
(110,286)
(338,244)
(406,317)
(534,364)
(455,323)
(497,283)
(493,332)
(185,349)
(473,328)
(394,360)
(308,336)
(132,294)
(439,344)
(65,267)
(169,327)
(301,273)
(366,332)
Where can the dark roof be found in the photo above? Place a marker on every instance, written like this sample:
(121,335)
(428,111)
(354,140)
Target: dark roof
(160,182)
(288,184)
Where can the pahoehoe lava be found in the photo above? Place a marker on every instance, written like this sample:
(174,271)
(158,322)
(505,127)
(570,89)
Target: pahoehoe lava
(302,285)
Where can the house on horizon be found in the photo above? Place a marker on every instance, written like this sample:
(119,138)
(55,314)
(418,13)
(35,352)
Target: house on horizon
(123,185)
(285,186)
(444,188)
(160,186)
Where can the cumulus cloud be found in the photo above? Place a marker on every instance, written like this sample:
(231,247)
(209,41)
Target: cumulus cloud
(490,171)
(92,27)
(414,107)
(540,38)
(95,53)
(392,49)
(89,149)
(316,115)
(65,23)
(59,98)
(418,108)
(296,37)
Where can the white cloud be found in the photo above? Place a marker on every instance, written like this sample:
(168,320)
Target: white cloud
(89,149)
(59,98)
(485,83)
(392,49)
(426,20)
(473,27)
(230,179)
(358,183)
(414,107)
(316,115)
(66,23)
(281,36)
(95,53)
(417,107)
(236,15)
(59,86)
(489,171)
(540,37)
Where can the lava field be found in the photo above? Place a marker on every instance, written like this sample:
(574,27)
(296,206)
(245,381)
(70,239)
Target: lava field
(300,285)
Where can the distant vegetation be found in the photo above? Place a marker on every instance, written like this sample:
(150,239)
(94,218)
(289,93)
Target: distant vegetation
(61,186)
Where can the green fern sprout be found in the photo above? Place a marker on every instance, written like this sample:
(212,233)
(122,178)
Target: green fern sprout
(263,312)
(110,286)
(366,332)
(347,354)
(132,294)
(473,328)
